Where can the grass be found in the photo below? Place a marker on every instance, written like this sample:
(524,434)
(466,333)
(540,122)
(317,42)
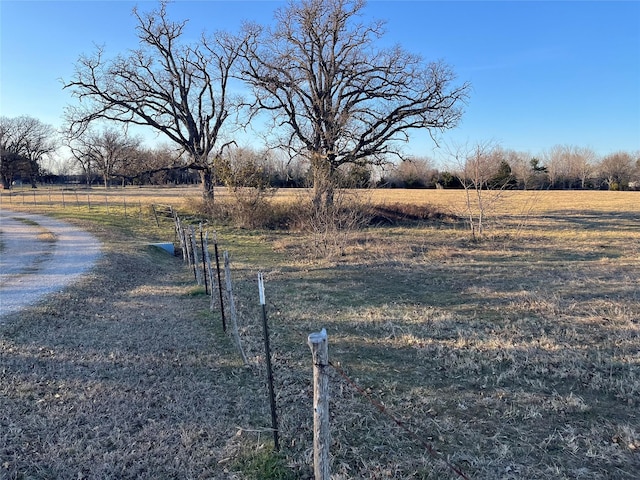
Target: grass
(514,357)
(263,464)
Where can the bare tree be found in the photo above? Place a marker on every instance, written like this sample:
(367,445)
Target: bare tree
(634,184)
(109,153)
(341,98)
(583,164)
(285,171)
(569,166)
(178,89)
(24,142)
(64,167)
(520,163)
(616,170)
(477,167)
(150,165)
(557,166)
(413,173)
(242,167)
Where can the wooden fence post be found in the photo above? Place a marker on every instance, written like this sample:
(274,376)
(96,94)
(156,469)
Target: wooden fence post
(194,252)
(187,242)
(180,235)
(215,248)
(321,436)
(155,215)
(207,260)
(204,262)
(232,306)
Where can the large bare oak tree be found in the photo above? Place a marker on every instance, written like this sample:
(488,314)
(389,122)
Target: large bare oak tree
(339,97)
(180,90)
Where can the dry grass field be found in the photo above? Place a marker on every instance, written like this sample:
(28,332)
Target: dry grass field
(513,357)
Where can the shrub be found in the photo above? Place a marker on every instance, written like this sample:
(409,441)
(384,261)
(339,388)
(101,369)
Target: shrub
(349,212)
(405,213)
(244,212)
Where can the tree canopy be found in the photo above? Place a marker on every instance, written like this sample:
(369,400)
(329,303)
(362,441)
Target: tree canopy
(178,89)
(341,98)
(24,141)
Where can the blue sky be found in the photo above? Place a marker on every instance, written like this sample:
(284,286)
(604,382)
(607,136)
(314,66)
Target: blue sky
(543,73)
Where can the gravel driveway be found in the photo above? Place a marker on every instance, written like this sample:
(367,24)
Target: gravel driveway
(39,256)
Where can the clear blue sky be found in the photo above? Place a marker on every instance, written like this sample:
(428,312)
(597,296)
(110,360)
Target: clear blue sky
(543,73)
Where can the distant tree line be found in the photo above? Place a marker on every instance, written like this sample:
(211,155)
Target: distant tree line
(562,167)
(111,157)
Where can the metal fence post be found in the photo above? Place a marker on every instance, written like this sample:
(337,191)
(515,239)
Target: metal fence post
(267,353)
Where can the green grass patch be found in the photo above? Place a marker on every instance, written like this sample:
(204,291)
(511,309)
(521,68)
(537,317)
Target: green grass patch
(27,221)
(196,291)
(264,464)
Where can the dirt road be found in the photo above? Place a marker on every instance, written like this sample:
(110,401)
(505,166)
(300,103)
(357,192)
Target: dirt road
(39,256)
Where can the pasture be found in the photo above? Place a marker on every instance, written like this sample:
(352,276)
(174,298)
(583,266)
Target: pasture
(513,357)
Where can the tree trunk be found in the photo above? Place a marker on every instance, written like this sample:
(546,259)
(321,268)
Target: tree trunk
(323,184)
(206,177)
(33,173)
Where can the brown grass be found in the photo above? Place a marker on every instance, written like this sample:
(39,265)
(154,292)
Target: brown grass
(117,377)
(515,357)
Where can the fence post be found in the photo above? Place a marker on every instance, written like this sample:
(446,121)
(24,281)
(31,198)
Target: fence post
(155,214)
(321,437)
(207,260)
(194,253)
(196,267)
(204,262)
(267,353)
(180,233)
(232,306)
(187,242)
(215,248)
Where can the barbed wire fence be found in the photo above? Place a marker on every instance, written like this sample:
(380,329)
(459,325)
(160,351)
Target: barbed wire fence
(223,298)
